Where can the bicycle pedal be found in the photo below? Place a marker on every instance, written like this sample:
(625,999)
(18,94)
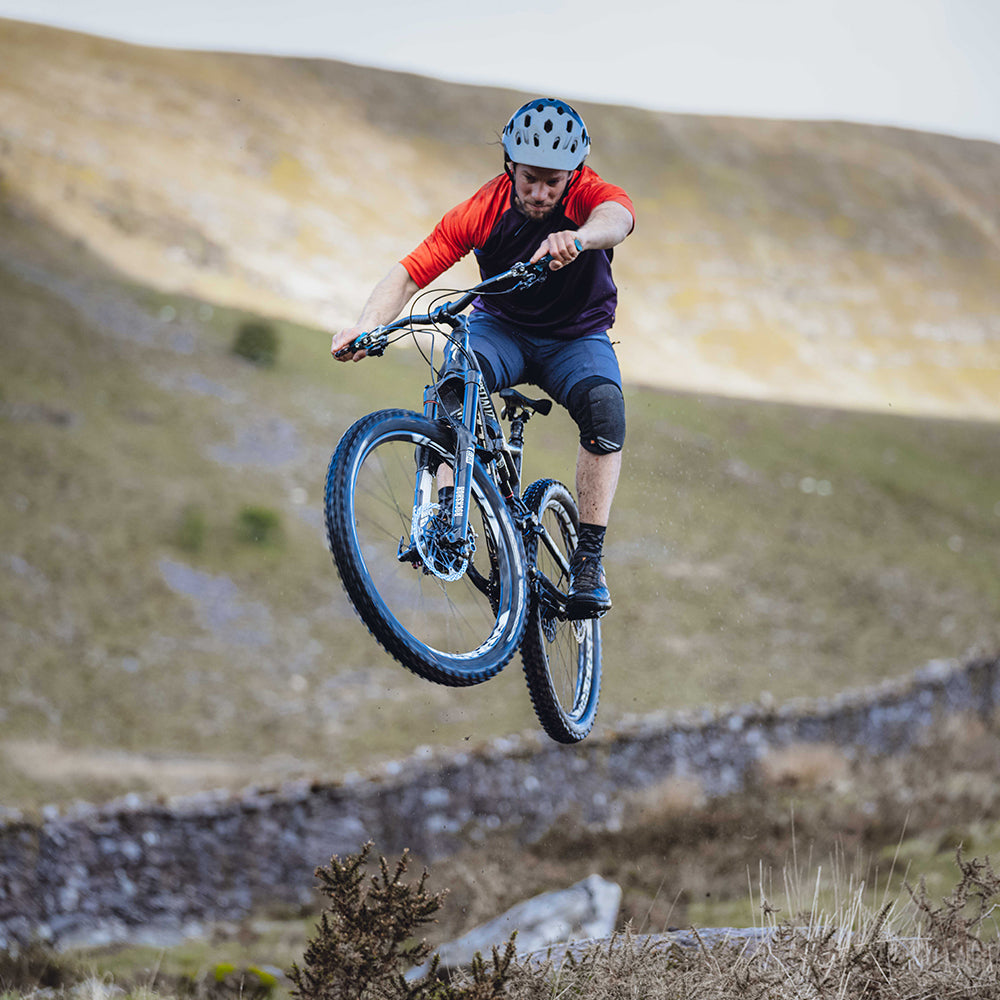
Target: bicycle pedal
(584,614)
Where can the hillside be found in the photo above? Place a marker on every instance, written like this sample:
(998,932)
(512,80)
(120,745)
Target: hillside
(150,202)
(150,644)
(822,263)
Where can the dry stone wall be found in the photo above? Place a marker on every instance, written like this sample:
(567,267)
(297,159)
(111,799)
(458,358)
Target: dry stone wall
(134,868)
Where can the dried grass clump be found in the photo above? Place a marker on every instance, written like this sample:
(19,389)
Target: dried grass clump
(902,950)
(805,766)
(914,950)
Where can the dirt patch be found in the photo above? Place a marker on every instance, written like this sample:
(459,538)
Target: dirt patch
(50,763)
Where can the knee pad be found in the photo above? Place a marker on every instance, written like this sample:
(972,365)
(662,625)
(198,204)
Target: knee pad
(598,407)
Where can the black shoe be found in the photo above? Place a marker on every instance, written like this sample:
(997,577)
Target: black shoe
(588,589)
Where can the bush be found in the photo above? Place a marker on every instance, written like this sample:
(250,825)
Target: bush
(36,968)
(258,525)
(190,534)
(364,942)
(257,342)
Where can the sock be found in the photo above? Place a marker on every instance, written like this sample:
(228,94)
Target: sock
(590,539)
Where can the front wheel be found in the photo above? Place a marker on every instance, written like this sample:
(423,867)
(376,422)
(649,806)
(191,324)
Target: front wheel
(453,622)
(562,658)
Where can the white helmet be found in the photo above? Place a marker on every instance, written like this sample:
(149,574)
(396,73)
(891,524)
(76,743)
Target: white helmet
(546,133)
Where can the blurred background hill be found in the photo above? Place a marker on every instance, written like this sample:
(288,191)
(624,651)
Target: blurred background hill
(810,330)
(828,263)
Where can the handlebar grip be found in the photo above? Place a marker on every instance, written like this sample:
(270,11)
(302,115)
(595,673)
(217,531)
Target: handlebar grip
(547,259)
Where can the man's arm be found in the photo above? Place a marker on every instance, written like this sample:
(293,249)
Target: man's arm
(384,304)
(606,226)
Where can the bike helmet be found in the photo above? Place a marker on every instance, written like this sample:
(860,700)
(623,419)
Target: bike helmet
(546,133)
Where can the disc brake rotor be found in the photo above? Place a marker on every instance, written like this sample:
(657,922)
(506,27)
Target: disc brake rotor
(441,556)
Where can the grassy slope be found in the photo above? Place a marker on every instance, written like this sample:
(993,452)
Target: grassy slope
(847,264)
(126,418)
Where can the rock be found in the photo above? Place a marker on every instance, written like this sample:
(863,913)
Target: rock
(747,939)
(586,910)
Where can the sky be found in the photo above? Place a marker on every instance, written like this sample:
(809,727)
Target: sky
(932,65)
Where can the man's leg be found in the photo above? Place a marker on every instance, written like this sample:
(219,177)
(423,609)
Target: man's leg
(596,482)
(583,375)
(596,479)
(599,410)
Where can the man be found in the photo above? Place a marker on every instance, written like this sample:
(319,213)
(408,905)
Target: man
(556,334)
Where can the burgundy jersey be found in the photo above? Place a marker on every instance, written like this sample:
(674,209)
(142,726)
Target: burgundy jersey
(575,300)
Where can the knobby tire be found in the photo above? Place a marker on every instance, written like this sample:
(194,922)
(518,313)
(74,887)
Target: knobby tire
(458,632)
(561,659)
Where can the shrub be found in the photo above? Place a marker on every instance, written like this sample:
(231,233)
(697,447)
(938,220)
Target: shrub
(35,969)
(257,342)
(190,534)
(258,525)
(364,942)
(956,925)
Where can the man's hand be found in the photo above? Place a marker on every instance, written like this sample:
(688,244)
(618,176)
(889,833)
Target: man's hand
(564,248)
(342,342)
(384,304)
(606,226)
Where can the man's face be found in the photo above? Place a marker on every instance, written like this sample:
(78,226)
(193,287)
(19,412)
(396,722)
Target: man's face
(537,190)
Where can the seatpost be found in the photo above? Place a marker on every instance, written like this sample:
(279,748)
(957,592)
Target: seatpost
(515,443)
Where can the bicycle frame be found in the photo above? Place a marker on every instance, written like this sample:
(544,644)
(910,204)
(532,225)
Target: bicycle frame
(488,564)
(478,432)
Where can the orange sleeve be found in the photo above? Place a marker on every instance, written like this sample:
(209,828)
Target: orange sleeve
(589,191)
(460,230)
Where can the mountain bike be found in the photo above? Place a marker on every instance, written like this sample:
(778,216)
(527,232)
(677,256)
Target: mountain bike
(452,568)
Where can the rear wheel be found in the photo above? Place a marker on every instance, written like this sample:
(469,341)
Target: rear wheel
(453,614)
(562,658)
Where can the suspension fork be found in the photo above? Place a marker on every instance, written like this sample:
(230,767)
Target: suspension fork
(465,452)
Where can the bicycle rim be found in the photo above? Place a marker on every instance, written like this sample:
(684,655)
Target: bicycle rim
(562,659)
(455,632)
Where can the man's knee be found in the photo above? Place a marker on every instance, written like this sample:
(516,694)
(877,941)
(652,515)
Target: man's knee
(598,407)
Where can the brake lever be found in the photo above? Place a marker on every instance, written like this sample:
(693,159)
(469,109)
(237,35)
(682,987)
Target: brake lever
(528,275)
(374,342)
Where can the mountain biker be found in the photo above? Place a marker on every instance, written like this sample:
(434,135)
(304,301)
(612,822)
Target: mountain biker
(554,335)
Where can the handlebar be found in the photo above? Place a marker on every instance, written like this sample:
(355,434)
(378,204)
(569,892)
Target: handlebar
(523,274)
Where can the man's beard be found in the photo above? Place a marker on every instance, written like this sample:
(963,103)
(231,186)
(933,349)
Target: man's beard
(531,211)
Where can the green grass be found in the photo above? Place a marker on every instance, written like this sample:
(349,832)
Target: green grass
(754,548)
